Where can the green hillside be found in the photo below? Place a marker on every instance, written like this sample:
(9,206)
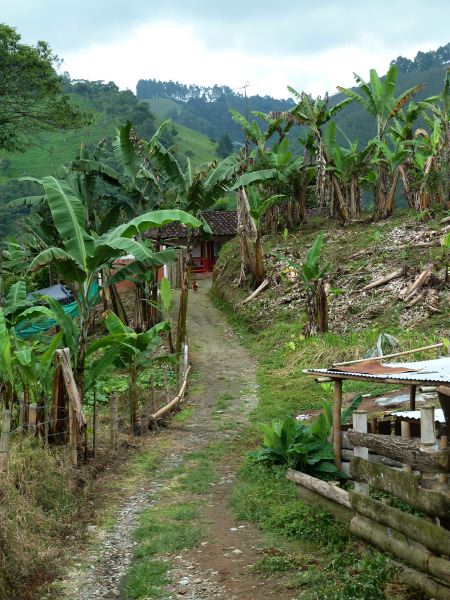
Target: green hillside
(51,150)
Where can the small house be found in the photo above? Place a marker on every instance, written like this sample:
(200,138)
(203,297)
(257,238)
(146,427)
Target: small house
(223,225)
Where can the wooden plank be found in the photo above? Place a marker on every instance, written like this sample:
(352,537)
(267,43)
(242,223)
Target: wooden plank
(388,540)
(432,536)
(327,490)
(404,450)
(404,486)
(317,501)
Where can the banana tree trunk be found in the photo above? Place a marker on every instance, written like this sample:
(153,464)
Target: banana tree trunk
(340,202)
(321,302)
(382,191)
(252,255)
(184,295)
(392,190)
(355,198)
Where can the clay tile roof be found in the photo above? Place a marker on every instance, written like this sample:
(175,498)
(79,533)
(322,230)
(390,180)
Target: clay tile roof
(222,223)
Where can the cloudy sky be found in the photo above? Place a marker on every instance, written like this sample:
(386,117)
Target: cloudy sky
(310,45)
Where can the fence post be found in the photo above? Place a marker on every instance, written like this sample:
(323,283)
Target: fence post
(32,416)
(114,421)
(405,430)
(443,445)
(73,437)
(4,439)
(360,425)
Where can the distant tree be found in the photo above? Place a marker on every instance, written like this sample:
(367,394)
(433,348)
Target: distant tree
(31,98)
(424,60)
(224,146)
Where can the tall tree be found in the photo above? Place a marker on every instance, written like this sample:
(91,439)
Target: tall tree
(30,93)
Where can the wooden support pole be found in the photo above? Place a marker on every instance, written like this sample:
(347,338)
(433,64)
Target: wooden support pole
(4,439)
(337,407)
(32,416)
(360,424)
(405,428)
(412,397)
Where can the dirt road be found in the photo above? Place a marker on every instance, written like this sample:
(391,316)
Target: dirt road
(219,567)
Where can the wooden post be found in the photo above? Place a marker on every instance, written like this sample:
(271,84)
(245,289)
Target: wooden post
(360,424)
(337,406)
(374,425)
(73,436)
(114,424)
(32,415)
(442,445)
(21,418)
(4,439)
(94,424)
(405,427)
(412,397)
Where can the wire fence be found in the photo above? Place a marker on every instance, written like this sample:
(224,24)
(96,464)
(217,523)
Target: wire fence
(60,422)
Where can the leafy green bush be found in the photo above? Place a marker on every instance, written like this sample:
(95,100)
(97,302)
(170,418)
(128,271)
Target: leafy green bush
(303,447)
(298,446)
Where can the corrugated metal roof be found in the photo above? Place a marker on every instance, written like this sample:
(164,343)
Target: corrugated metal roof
(415,415)
(435,371)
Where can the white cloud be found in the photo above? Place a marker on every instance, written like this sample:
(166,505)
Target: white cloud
(166,50)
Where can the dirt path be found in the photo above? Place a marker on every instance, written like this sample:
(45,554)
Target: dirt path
(220,566)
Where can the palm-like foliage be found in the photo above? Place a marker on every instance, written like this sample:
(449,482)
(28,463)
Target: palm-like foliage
(378,98)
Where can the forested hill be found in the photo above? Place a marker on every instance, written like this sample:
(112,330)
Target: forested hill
(205,109)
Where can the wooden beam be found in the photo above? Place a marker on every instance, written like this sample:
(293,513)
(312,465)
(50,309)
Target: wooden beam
(432,536)
(404,486)
(331,492)
(380,358)
(407,451)
(388,540)
(317,502)
(418,581)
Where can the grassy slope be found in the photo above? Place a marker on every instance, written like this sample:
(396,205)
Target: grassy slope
(341,569)
(53,149)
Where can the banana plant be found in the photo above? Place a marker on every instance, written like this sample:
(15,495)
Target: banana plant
(82,255)
(126,349)
(377,97)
